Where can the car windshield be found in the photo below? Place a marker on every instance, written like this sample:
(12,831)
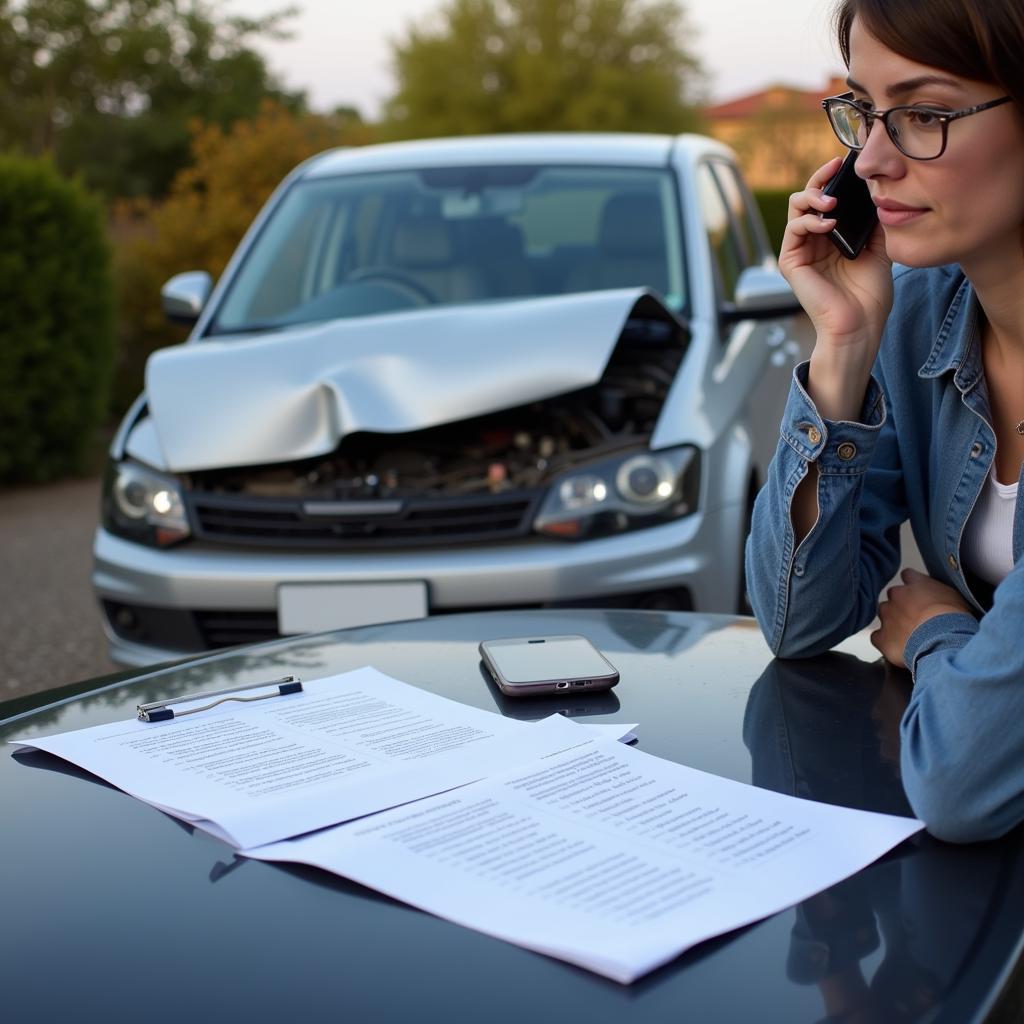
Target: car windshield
(361,244)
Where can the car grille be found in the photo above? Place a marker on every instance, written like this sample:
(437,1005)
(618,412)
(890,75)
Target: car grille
(229,519)
(226,629)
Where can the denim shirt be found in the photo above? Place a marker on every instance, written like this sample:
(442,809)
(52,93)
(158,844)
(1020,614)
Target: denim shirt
(921,451)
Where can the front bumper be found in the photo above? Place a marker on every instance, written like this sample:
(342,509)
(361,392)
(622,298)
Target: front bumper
(177,591)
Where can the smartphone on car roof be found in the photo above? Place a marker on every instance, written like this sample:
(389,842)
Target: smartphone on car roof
(528,666)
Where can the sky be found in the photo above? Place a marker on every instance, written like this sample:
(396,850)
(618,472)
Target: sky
(340,53)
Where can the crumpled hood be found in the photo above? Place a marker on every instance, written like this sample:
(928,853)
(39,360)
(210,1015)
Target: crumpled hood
(296,393)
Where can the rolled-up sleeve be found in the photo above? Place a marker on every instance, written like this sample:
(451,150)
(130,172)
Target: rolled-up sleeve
(809,597)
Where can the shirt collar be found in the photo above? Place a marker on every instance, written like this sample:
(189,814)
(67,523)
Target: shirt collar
(957,345)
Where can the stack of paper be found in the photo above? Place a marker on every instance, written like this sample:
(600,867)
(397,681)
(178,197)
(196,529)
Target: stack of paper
(347,746)
(602,855)
(548,835)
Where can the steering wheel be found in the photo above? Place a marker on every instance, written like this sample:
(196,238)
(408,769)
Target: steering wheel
(396,279)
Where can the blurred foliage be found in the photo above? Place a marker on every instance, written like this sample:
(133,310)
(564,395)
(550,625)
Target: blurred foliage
(56,321)
(211,204)
(535,65)
(109,87)
(774,206)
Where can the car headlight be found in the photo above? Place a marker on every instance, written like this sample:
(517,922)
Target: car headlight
(632,490)
(142,505)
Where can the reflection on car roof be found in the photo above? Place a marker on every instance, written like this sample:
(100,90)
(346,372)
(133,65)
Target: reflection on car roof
(622,149)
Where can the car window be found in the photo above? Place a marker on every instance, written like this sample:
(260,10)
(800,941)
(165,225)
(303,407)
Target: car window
(726,247)
(741,206)
(373,243)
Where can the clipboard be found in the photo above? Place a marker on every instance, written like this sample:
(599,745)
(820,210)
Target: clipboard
(161,710)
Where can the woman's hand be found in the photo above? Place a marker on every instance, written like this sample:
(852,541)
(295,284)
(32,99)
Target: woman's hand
(916,600)
(847,300)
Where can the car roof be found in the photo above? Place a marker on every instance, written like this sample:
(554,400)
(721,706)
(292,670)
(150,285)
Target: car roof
(609,148)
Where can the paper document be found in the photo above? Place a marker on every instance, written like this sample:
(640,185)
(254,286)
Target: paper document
(601,855)
(347,746)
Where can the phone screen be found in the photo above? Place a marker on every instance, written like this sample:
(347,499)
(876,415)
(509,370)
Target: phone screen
(855,213)
(531,659)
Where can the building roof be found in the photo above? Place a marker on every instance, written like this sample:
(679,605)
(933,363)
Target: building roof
(773,97)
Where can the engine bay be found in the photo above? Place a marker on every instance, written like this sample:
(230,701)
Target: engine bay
(520,448)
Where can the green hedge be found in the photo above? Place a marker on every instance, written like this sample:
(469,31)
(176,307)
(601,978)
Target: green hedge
(56,322)
(774,204)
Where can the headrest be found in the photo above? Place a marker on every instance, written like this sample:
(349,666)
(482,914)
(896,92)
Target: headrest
(632,225)
(494,238)
(426,242)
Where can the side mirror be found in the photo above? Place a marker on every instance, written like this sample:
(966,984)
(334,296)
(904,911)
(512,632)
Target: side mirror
(760,293)
(184,296)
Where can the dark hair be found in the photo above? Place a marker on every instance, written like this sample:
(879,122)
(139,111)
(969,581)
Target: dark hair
(981,40)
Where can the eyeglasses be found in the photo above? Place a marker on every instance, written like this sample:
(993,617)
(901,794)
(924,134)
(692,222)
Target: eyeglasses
(918,132)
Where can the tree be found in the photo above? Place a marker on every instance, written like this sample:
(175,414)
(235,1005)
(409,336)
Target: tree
(545,65)
(56,321)
(110,86)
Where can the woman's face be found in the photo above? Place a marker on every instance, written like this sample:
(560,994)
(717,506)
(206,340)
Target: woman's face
(965,207)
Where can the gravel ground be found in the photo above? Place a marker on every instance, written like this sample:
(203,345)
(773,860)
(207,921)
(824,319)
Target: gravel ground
(48,617)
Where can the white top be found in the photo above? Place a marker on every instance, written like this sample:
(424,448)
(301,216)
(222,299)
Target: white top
(987,547)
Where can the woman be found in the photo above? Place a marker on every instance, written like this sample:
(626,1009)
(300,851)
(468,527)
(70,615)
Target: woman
(912,403)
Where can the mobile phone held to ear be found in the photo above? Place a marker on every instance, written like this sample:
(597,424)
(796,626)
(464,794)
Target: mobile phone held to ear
(855,213)
(528,666)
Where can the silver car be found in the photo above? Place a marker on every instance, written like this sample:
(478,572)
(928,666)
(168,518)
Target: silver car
(450,375)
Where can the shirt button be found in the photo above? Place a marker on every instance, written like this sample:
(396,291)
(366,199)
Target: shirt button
(952,562)
(813,435)
(976,449)
(846,451)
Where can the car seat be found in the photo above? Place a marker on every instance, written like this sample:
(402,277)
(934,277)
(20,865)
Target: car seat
(496,247)
(423,250)
(630,247)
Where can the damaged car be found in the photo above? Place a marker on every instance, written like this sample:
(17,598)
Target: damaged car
(454,375)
